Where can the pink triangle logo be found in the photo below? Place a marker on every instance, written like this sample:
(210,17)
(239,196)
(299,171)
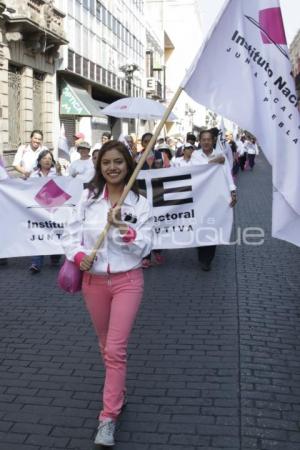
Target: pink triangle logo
(51,195)
(271,24)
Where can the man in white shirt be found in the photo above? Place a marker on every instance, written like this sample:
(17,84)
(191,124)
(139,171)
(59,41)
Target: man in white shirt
(207,155)
(78,138)
(27,154)
(106,136)
(242,151)
(252,150)
(83,168)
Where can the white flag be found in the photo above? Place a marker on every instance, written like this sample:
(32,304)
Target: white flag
(243,72)
(63,147)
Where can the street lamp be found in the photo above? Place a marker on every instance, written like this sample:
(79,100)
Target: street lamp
(128,70)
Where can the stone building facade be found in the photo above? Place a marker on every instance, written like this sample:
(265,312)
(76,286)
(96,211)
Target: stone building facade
(31,32)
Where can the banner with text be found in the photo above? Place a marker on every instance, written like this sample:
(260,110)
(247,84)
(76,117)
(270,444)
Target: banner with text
(190,209)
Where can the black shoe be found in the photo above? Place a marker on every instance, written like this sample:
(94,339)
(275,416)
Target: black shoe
(206,267)
(34,269)
(55,260)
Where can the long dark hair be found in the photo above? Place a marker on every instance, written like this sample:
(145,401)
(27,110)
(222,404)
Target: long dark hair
(41,156)
(96,185)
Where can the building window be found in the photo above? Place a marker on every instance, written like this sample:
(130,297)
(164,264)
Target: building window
(109,79)
(78,63)
(85,67)
(104,15)
(92,7)
(119,29)
(109,20)
(98,10)
(71,60)
(115,25)
(92,71)
(114,81)
(104,78)
(14,101)
(98,74)
(85,4)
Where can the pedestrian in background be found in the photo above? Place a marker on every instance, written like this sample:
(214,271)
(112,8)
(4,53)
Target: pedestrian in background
(95,154)
(154,161)
(252,151)
(208,155)
(83,168)
(73,153)
(186,158)
(191,139)
(242,150)
(105,137)
(112,283)
(46,168)
(26,157)
(235,155)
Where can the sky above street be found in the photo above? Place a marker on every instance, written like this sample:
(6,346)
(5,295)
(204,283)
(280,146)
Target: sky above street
(290,12)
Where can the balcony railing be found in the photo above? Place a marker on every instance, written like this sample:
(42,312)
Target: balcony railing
(98,74)
(34,19)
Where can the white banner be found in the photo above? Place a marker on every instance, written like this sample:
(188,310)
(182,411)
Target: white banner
(243,72)
(190,208)
(34,213)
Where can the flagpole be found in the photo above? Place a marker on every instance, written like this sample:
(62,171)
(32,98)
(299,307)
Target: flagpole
(138,167)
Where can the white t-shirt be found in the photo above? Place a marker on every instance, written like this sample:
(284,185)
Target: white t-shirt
(74,154)
(82,169)
(252,149)
(181,162)
(39,174)
(26,157)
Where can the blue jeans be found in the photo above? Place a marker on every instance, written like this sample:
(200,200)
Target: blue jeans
(37,261)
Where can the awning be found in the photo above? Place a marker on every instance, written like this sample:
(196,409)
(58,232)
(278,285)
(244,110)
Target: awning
(76,101)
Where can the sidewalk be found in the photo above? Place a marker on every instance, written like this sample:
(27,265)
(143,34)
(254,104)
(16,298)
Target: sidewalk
(214,360)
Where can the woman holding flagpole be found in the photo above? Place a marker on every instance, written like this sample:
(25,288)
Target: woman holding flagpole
(113,280)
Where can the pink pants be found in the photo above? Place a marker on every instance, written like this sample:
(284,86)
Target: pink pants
(113,301)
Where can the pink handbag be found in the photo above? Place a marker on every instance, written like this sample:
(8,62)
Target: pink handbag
(70,277)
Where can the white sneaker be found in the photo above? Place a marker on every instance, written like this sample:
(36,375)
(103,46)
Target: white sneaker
(105,434)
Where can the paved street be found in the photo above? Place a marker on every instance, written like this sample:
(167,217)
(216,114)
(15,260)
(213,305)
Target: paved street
(214,360)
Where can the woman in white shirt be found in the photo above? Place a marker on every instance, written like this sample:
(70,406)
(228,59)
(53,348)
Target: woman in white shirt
(26,156)
(112,282)
(185,160)
(46,167)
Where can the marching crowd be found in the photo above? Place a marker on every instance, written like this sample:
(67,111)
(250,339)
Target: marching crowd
(35,160)
(112,278)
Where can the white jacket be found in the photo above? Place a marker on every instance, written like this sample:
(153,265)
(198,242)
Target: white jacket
(90,218)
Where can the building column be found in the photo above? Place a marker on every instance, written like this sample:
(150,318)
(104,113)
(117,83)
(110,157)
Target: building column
(26,107)
(48,111)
